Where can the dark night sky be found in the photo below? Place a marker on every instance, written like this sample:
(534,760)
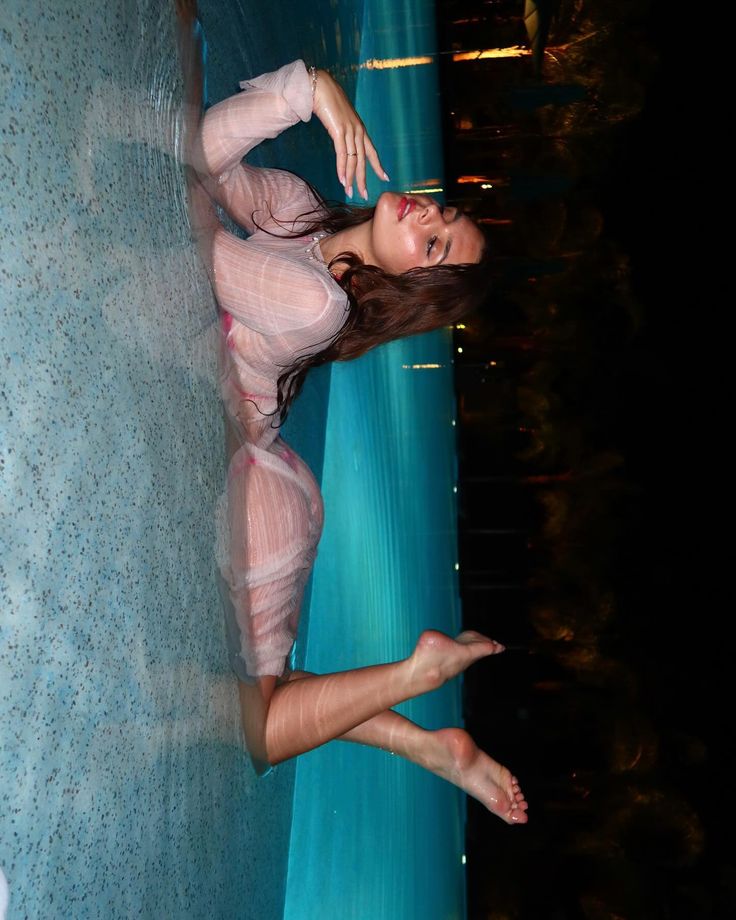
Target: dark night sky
(661,205)
(662,208)
(656,208)
(662,199)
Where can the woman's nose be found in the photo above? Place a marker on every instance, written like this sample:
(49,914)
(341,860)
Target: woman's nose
(430,211)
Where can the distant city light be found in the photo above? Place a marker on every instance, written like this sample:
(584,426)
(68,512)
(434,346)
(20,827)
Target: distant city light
(460,351)
(421,367)
(512,51)
(392,63)
(454,488)
(472,180)
(453,423)
(492,363)
(483,181)
(463,860)
(457,566)
(460,326)
(426,185)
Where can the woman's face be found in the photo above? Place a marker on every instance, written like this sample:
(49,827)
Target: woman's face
(413,231)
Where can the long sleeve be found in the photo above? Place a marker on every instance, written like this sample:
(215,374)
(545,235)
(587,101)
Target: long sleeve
(269,105)
(272,293)
(278,302)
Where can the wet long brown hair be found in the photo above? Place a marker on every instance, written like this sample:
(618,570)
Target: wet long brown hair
(381,306)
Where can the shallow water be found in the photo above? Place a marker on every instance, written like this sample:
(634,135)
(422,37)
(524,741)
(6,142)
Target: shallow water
(374,836)
(125,788)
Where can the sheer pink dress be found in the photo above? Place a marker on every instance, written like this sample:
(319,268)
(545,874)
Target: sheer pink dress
(278,301)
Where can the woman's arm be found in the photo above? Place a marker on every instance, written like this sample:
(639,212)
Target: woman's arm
(251,195)
(352,143)
(272,199)
(270,104)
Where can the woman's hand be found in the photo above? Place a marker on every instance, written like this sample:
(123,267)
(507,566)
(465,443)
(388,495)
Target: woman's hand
(351,140)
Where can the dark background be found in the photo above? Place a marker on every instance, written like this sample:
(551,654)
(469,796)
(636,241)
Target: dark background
(611,836)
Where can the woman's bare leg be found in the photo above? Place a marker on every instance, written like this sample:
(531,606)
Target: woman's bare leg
(283,720)
(449,753)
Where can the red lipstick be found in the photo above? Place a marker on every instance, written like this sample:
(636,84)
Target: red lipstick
(406,206)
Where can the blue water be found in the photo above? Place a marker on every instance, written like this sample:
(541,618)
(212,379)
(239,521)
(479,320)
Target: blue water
(125,788)
(372,835)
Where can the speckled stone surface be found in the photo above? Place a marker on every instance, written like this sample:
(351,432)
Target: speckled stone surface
(124,787)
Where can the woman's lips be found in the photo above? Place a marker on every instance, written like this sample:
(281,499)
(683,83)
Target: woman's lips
(406,206)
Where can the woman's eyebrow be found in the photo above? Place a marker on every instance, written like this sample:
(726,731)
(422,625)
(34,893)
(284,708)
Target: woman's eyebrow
(448,247)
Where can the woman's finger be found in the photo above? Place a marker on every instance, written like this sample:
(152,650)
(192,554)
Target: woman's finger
(360,137)
(351,141)
(360,173)
(352,162)
(345,160)
(341,158)
(372,155)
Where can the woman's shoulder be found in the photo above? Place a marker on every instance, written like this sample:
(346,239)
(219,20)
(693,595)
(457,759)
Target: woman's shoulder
(303,292)
(326,303)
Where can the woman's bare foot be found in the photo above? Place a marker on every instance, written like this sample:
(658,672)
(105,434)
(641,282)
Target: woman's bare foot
(438,658)
(462,763)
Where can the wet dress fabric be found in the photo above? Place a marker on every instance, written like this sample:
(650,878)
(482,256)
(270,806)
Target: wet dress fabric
(278,302)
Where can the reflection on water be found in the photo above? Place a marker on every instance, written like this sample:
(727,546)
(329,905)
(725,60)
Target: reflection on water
(393,63)
(386,563)
(124,790)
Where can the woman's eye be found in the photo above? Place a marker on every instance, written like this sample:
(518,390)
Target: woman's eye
(430,244)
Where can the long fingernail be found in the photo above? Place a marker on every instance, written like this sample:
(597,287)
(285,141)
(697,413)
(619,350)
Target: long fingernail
(385,176)
(364,193)
(342,180)
(349,192)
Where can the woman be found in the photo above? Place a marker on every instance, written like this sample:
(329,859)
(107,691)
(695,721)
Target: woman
(308,286)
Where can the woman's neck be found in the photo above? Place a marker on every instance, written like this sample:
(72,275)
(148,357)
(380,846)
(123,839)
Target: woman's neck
(354,239)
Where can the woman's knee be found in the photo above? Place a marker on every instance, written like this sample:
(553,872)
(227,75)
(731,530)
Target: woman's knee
(255,700)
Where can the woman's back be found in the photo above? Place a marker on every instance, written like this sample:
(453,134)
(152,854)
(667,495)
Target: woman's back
(278,302)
